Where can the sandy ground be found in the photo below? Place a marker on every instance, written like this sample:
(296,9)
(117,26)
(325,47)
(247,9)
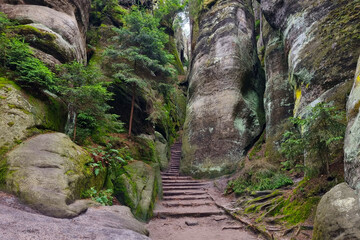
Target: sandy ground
(207,229)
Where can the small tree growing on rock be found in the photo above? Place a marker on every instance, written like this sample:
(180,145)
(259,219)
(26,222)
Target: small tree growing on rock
(82,90)
(314,135)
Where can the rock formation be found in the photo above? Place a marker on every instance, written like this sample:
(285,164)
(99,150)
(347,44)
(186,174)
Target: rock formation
(338,213)
(320,52)
(352,138)
(138,187)
(64,22)
(225,106)
(22,114)
(115,222)
(49,173)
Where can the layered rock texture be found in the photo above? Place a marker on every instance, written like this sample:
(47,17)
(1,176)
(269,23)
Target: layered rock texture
(49,173)
(321,45)
(22,114)
(309,54)
(63,24)
(225,108)
(115,222)
(278,97)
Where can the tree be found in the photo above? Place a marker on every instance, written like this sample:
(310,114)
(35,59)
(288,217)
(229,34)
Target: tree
(82,90)
(315,135)
(140,47)
(167,10)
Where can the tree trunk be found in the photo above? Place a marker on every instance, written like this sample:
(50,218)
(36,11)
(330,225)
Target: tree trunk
(74,137)
(132,108)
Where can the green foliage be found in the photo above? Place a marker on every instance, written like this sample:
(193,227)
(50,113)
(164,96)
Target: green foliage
(4,22)
(86,95)
(195,7)
(262,180)
(316,134)
(16,55)
(104,197)
(139,46)
(167,10)
(101,10)
(109,157)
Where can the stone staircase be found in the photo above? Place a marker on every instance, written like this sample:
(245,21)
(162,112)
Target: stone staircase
(182,195)
(188,210)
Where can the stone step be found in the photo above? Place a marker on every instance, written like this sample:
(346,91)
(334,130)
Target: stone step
(183,185)
(200,211)
(170,188)
(187,203)
(169,174)
(183,192)
(175,177)
(186,197)
(183,181)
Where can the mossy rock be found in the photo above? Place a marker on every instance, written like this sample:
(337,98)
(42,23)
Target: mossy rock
(138,188)
(22,112)
(49,172)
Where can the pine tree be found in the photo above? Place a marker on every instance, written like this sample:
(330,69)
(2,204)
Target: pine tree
(140,48)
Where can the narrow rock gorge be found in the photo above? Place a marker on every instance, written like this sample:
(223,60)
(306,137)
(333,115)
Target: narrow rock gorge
(260,97)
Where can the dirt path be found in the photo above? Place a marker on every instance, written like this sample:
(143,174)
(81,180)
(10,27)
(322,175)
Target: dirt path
(188,212)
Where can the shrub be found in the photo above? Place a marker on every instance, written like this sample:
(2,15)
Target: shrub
(16,55)
(262,180)
(316,134)
(104,197)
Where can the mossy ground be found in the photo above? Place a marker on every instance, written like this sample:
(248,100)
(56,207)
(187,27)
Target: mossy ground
(288,206)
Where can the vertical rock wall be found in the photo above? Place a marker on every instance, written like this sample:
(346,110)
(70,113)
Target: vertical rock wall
(321,44)
(278,98)
(225,109)
(352,138)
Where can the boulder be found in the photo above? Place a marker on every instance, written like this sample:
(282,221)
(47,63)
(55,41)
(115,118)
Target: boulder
(64,22)
(137,187)
(352,137)
(338,215)
(49,172)
(22,115)
(225,101)
(115,222)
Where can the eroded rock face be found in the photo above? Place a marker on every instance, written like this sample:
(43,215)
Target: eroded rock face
(278,97)
(21,115)
(352,137)
(321,44)
(49,173)
(225,107)
(115,222)
(138,187)
(66,21)
(338,215)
